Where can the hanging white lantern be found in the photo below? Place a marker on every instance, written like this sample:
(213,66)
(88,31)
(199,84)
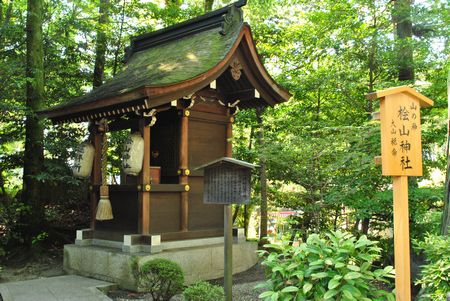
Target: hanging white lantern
(83,161)
(133,154)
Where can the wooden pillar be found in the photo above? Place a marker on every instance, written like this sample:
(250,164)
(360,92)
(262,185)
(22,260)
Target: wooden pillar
(184,170)
(228,222)
(96,176)
(229,147)
(401,239)
(144,180)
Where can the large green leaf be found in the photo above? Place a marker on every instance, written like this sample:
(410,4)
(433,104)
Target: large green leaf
(307,287)
(333,283)
(352,275)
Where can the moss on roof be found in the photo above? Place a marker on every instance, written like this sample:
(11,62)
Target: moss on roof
(173,62)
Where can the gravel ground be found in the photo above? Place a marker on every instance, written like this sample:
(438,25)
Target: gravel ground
(243,287)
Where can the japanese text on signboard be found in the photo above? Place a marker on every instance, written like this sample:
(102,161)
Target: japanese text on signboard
(401,141)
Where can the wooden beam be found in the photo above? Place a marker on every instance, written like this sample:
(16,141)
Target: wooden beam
(203,116)
(209,93)
(144,196)
(184,165)
(123,124)
(191,234)
(139,187)
(401,239)
(241,95)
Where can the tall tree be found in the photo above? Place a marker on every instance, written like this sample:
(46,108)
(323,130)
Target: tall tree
(262,175)
(445,226)
(34,153)
(101,43)
(403,24)
(208,5)
(173,3)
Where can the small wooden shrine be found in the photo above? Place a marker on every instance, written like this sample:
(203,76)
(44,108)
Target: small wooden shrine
(180,88)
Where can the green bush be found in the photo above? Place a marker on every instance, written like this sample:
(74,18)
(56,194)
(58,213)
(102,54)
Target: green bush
(160,277)
(435,275)
(335,267)
(204,291)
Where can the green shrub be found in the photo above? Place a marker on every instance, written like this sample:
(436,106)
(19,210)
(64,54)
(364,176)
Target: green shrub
(337,267)
(204,291)
(160,277)
(435,275)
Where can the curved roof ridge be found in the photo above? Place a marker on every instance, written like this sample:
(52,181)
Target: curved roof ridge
(217,18)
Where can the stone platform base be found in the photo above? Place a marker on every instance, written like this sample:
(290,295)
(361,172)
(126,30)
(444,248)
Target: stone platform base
(200,259)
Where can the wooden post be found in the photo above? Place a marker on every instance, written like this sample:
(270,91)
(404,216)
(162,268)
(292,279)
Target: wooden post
(96,176)
(228,225)
(184,170)
(229,147)
(228,253)
(401,156)
(401,239)
(144,180)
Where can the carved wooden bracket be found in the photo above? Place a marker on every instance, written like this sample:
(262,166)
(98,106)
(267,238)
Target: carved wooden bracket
(235,70)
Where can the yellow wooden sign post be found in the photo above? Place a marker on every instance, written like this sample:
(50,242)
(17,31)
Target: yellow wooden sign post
(401,156)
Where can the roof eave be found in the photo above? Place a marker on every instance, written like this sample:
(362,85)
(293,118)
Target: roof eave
(270,91)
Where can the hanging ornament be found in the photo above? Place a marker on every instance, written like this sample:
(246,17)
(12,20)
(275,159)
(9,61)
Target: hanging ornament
(104,209)
(133,155)
(83,161)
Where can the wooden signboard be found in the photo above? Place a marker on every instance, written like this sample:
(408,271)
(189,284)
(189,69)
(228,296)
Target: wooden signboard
(401,156)
(401,146)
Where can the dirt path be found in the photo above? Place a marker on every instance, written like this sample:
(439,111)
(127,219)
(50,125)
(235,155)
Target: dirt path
(48,264)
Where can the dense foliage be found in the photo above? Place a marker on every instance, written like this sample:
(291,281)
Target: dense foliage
(435,275)
(335,267)
(160,277)
(204,291)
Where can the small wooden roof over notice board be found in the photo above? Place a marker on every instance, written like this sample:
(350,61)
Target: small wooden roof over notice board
(401,146)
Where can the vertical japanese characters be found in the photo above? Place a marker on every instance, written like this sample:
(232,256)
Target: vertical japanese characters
(403,128)
(401,147)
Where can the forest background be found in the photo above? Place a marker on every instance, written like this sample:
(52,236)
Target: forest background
(315,151)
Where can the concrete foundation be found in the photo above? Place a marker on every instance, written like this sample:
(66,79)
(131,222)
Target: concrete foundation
(200,259)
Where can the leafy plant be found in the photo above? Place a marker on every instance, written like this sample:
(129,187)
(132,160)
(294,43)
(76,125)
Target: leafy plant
(204,291)
(160,277)
(435,275)
(335,267)
(39,238)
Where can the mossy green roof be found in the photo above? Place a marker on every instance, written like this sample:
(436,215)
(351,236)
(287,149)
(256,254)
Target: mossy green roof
(169,63)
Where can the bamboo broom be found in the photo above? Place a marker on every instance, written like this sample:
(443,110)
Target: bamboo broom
(104,209)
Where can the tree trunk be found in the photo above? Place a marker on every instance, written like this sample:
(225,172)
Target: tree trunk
(4,21)
(246,220)
(403,25)
(446,214)
(356,226)
(372,64)
(100,47)
(176,3)
(119,40)
(2,183)
(34,130)
(262,174)
(365,225)
(208,5)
